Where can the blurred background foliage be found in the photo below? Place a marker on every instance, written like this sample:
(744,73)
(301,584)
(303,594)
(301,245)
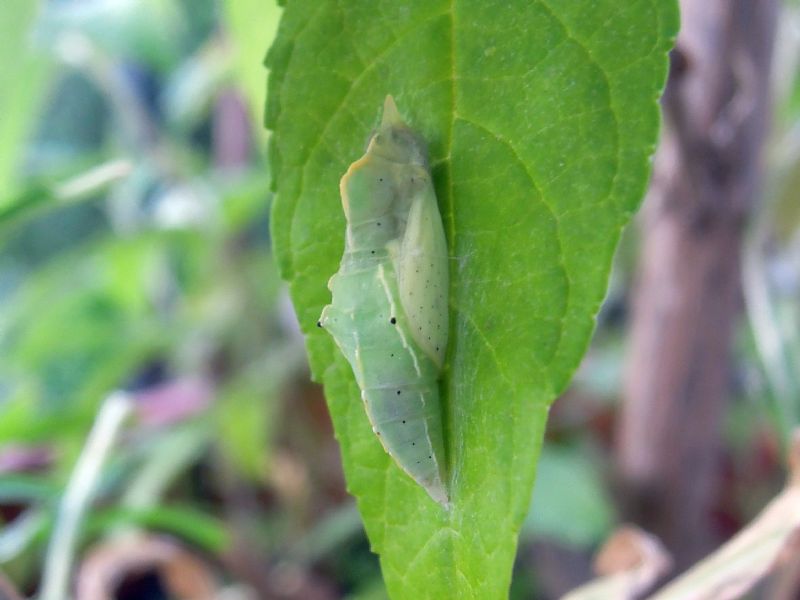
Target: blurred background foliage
(134,254)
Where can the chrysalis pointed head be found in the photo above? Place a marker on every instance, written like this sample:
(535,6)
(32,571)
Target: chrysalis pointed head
(395,141)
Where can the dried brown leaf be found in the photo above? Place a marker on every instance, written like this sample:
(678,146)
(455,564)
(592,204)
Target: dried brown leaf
(108,564)
(630,562)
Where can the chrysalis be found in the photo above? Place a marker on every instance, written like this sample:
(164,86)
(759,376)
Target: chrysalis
(388,314)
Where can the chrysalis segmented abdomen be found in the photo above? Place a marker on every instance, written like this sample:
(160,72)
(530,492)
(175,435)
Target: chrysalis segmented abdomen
(388,313)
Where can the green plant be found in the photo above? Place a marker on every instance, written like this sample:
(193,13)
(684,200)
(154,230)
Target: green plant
(541,118)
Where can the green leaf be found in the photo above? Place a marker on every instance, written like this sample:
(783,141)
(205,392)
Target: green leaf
(541,117)
(251,25)
(23,203)
(245,416)
(570,503)
(23,77)
(25,488)
(185,522)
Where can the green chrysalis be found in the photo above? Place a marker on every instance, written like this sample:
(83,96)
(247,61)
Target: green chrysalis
(388,314)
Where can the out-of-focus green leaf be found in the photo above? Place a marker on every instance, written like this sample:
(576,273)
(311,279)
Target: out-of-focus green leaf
(25,488)
(372,590)
(570,503)
(23,420)
(23,203)
(79,340)
(246,206)
(245,417)
(23,75)
(252,25)
(185,522)
(76,329)
(332,531)
(35,196)
(541,117)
